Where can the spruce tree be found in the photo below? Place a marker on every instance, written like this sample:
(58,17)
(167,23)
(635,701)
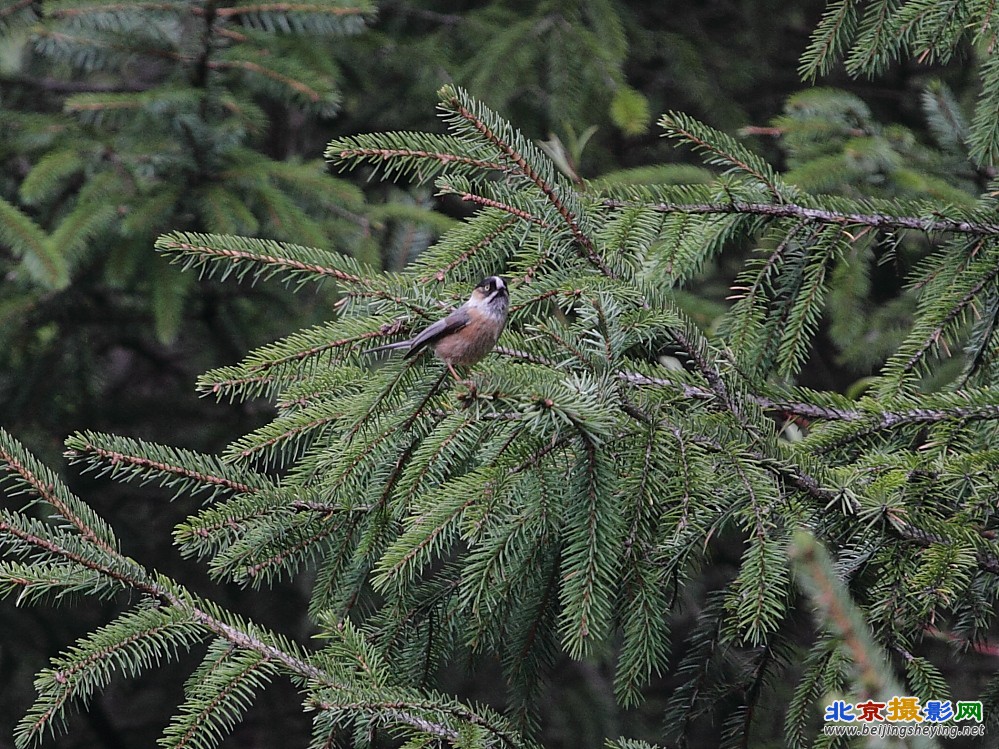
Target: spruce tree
(616,468)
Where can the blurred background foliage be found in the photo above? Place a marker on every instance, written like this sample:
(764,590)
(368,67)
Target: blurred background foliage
(123,121)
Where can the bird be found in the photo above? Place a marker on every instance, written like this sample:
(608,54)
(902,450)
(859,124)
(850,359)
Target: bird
(466,335)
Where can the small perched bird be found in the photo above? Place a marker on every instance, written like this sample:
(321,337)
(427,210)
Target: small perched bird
(469,332)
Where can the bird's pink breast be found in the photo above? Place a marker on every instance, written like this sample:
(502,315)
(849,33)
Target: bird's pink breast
(468,345)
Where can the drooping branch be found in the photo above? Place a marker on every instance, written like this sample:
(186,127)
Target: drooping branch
(935,337)
(707,370)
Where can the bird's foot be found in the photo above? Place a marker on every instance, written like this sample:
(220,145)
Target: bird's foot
(473,391)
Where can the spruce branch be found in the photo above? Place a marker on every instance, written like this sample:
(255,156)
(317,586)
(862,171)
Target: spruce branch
(225,519)
(295,7)
(443,158)
(588,564)
(256,369)
(767,403)
(123,457)
(218,694)
(484,202)
(938,224)
(841,616)
(420,156)
(276,560)
(13,7)
(829,38)
(310,93)
(721,149)
(440,273)
(697,353)
(298,425)
(262,258)
(415,713)
(248,637)
(780,467)
(187,607)
(56,547)
(456,101)
(36,581)
(953,408)
(891,420)
(525,356)
(987,561)
(134,641)
(935,337)
(41,482)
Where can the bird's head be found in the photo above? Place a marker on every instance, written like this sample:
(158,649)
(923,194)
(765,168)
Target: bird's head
(491,294)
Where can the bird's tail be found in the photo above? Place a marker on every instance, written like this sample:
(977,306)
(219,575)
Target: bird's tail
(388,347)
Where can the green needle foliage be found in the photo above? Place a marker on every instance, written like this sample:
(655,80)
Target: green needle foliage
(869,36)
(571,501)
(124,120)
(167,130)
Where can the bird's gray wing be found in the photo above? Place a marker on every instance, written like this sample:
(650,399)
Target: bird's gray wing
(433,333)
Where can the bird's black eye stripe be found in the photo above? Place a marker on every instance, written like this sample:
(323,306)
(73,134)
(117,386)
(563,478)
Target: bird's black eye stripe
(491,284)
